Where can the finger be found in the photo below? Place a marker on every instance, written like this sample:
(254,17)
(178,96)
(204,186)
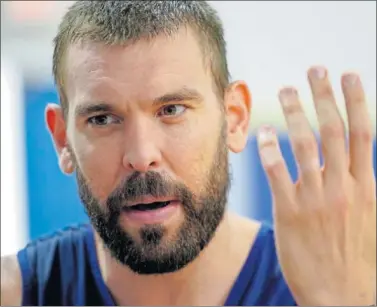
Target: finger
(302,138)
(331,125)
(360,128)
(276,170)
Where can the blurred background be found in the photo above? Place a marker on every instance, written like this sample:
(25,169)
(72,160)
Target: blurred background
(270,44)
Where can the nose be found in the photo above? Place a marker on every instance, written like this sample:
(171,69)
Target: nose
(142,153)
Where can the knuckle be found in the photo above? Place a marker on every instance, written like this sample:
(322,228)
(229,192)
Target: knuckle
(268,145)
(275,169)
(304,145)
(333,130)
(292,109)
(361,134)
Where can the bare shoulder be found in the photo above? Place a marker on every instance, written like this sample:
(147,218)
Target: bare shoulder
(11,281)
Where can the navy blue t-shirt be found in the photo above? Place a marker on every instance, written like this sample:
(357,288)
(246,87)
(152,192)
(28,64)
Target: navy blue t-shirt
(63,269)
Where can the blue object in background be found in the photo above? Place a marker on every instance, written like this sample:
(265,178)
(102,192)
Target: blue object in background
(52,199)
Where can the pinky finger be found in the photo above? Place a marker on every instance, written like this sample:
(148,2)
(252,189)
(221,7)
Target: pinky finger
(276,170)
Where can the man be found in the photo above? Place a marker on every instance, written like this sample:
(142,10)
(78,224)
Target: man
(147,117)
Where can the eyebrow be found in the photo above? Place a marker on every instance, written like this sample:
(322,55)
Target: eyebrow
(88,109)
(183,94)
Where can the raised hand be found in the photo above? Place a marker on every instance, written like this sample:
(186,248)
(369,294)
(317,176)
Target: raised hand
(325,222)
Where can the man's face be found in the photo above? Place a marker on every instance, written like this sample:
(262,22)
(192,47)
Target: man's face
(148,138)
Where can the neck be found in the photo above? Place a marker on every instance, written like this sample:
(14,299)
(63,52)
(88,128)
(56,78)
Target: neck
(191,285)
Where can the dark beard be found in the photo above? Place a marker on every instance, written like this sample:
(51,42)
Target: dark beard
(153,255)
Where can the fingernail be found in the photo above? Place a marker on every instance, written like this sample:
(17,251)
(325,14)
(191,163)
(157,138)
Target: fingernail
(350,79)
(288,91)
(318,73)
(287,94)
(311,165)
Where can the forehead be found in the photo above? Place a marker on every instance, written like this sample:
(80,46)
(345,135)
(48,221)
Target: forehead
(140,71)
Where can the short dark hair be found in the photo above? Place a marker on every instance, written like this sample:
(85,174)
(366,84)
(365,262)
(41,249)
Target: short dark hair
(126,22)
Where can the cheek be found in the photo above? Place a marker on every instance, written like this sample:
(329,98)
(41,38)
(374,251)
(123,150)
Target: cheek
(100,164)
(191,155)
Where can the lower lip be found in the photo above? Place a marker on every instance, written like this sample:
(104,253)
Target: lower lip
(156,216)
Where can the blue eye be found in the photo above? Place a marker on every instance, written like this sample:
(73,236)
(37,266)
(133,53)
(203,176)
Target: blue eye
(172,110)
(102,120)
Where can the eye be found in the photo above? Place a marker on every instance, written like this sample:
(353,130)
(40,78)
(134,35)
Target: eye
(172,110)
(102,120)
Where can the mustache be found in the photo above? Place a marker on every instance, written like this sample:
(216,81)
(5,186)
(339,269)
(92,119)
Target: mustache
(146,184)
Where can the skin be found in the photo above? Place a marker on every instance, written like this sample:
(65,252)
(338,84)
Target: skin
(325,222)
(328,209)
(129,80)
(140,138)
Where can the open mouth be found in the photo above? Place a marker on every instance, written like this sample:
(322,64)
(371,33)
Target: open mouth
(148,207)
(150,210)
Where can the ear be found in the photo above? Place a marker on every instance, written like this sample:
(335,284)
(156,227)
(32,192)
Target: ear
(238,109)
(57,127)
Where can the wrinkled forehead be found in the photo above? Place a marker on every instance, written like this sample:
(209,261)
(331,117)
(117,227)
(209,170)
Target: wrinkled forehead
(138,71)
